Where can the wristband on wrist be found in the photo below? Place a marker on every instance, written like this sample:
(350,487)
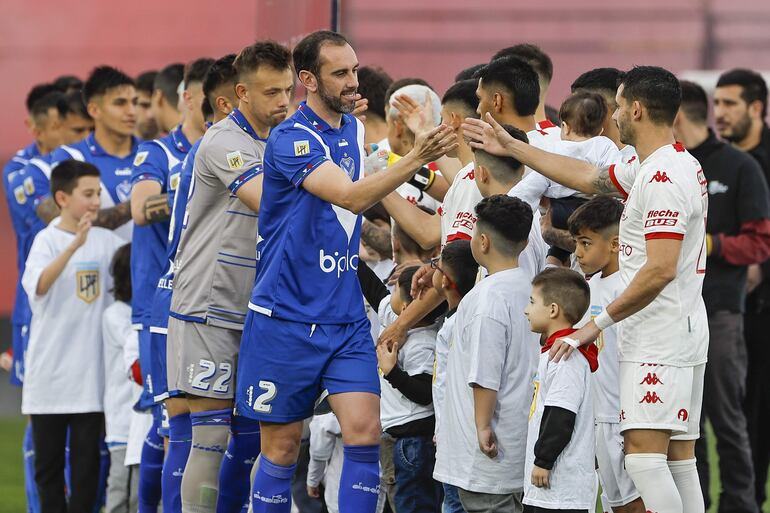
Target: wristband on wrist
(423,179)
(572,342)
(603,320)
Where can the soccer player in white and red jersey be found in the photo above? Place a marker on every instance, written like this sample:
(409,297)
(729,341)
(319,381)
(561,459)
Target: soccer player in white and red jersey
(664,330)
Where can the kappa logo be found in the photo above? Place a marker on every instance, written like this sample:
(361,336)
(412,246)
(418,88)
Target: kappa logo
(651,379)
(651,398)
(234,160)
(660,177)
(301,148)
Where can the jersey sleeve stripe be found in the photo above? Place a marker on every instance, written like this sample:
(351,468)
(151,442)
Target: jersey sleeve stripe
(616,183)
(458,236)
(245,177)
(663,235)
(300,176)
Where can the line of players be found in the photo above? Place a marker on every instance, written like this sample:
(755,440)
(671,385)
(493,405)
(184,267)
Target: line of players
(212,184)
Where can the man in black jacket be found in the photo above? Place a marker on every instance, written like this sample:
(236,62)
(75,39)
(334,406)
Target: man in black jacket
(740,106)
(738,234)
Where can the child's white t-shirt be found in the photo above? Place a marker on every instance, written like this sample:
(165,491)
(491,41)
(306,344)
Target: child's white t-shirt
(440,364)
(493,347)
(118,389)
(64,361)
(567,385)
(606,380)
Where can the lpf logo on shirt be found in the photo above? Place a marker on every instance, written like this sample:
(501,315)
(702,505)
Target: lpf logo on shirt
(87,284)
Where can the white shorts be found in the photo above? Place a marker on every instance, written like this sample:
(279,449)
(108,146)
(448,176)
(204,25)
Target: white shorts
(661,397)
(617,486)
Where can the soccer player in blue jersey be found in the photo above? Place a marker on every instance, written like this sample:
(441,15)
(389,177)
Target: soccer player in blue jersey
(153,177)
(306,329)
(110,97)
(164,102)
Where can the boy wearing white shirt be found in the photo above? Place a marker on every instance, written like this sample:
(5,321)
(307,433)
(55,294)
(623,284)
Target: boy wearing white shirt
(559,471)
(66,276)
(492,359)
(594,226)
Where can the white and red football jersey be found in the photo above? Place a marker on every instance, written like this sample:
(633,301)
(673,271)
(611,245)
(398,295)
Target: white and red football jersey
(666,198)
(458,212)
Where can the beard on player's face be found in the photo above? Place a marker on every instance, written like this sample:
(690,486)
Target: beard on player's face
(338,103)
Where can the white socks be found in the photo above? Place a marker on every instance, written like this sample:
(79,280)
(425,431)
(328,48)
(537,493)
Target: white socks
(685,476)
(653,479)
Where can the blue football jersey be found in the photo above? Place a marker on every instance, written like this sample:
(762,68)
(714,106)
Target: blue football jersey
(162,301)
(308,247)
(155,160)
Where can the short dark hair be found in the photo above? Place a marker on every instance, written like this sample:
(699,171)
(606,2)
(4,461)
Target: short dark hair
(65,176)
(517,78)
(457,261)
(52,100)
(206,109)
(601,214)
(509,219)
(753,85)
(307,53)
(372,85)
(584,112)
(145,82)
(501,167)
(262,53)
(655,88)
(75,105)
(68,83)
(220,73)
(695,102)
(604,80)
(194,71)
(468,72)
(463,93)
(408,243)
(532,55)
(566,288)
(402,82)
(103,79)
(167,81)
(120,269)
(404,289)
(37,92)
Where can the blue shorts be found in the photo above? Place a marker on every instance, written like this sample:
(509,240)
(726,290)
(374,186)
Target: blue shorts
(284,366)
(19,340)
(145,362)
(158,367)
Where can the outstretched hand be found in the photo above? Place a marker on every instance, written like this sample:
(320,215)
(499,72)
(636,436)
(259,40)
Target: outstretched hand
(418,118)
(430,145)
(488,135)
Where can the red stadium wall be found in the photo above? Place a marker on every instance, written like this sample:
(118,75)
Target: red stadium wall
(432,39)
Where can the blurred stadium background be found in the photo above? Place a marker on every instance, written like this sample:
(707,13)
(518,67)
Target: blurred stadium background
(432,39)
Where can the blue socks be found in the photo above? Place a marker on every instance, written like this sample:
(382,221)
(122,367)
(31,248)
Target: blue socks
(360,480)
(235,472)
(150,470)
(272,488)
(179,439)
(33,501)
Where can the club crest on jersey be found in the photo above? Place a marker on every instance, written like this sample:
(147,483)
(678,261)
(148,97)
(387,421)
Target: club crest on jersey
(301,148)
(140,158)
(87,284)
(348,165)
(18,192)
(123,190)
(234,160)
(29,186)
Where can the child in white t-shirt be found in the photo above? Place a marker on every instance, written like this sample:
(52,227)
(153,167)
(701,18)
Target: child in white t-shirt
(560,439)
(492,358)
(66,279)
(595,229)
(325,467)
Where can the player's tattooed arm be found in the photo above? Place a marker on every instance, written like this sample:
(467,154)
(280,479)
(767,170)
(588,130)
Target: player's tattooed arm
(603,184)
(47,210)
(156,208)
(377,237)
(114,217)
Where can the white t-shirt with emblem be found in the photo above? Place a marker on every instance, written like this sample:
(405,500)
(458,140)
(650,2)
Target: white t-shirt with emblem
(606,381)
(666,198)
(491,346)
(64,361)
(567,385)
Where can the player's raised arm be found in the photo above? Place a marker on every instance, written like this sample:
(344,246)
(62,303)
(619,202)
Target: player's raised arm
(330,183)
(573,173)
